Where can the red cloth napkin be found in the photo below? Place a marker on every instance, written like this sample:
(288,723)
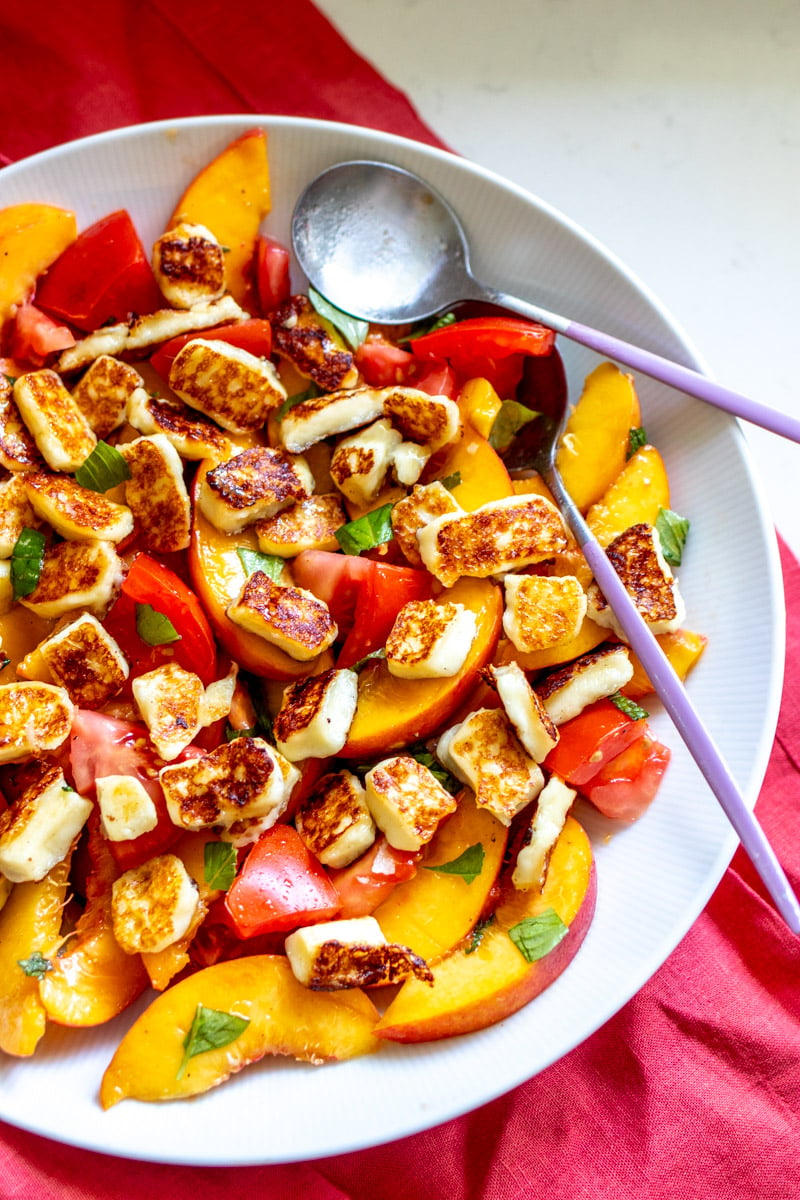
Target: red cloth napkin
(693,1089)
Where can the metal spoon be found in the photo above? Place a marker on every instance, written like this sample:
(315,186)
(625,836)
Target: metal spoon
(381,244)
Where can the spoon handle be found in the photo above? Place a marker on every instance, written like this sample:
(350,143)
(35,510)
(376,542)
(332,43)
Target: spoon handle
(663,369)
(678,705)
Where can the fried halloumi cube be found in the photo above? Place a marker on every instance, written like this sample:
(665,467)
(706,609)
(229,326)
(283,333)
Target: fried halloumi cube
(189,266)
(425,503)
(430,421)
(555,801)
(408,462)
(18,450)
(407,801)
(316,348)
(37,830)
(500,536)
(156,493)
(542,611)
(153,905)
(316,714)
(76,575)
(84,659)
(483,751)
(361,463)
(350,953)
(102,393)
(252,486)
(320,417)
(127,810)
(192,435)
(430,640)
(334,821)
(288,617)
(34,718)
(110,340)
(16,512)
(228,384)
(241,779)
(245,830)
(169,699)
(638,559)
(75,512)
(55,422)
(307,525)
(593,676)
(536,732)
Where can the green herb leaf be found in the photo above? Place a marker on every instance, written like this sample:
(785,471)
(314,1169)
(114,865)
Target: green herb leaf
(636,439)
(440,773)
(448,318)
(27,560)
(629,707)
(103,469)
(36,966)
(311,392)
(373,529)
(373,657)
(153,627)
(452,481)
(12,379)
(672,530)
(210,1030)
(352,330)
(254,560)
(219,865)
(536,936)
(511,417)
(476,937)
(468,865)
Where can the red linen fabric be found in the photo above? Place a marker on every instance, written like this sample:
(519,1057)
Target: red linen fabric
(693,1089)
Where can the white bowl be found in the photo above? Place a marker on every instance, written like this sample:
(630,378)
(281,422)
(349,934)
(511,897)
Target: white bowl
(653,878)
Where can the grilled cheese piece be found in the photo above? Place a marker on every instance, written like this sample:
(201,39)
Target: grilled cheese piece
(593,676)
(637,558)
(555,801)
(102,393)
(408,462)
(407,801)
(321,417)
(127,809)
(334,821)
(37,830)
(485,754)
(426,503)
(502,535)
(241,779)
(534,728)
(18,451)
(288,617)
(317,350)
(153,905)
(169,700)
(86,661)
(16,512)
(361,463)
(156,493)
(233,387)
(350,953)
(307,525)
(246,830)
(189,266)
(542,611)
(429,421)
(192,435)
(75,512)
(76,575)
(430,640)
(316,714)
(56,423)
(253,486)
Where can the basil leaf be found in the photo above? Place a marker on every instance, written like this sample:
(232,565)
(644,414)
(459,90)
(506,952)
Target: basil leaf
(672,530)
(448,318)
(291,402)
(153,627)
(219,865)
(254,560)
(373,529)
(210,1030)
(636,439)
(27,560)
(511,417)
(537,936)
(36,966)
(362,662)
(440,773)
(476,937)
(12,379)
(103,469)
(452,481)
(629,707)
(468,865)
(351,328)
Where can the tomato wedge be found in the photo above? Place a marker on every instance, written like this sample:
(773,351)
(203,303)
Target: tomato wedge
(368,881)
(280,887)
(590,740)
(626,785)
(35,335)
(272,273)
(254,335)
(492,348)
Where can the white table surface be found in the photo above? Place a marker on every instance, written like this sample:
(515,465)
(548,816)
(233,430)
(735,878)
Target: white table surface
(669,129)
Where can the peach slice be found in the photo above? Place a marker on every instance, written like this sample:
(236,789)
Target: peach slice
(473,990)
(284,1018)
(682,647)
(595,442)
(483,476)
(636,495)
(231,197)
(589,637)
(32,237)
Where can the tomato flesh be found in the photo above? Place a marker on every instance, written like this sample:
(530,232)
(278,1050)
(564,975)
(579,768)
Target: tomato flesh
(368,881)
(590,740)
(626,785)
(34,336)
(280,887)
(272,274)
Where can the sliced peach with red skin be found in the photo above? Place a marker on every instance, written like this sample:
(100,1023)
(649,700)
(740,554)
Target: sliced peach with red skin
(472,990)
(284,1018)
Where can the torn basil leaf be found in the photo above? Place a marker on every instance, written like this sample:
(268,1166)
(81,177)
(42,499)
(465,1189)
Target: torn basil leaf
(636,439)
(672,531)
(452,481)
(253,560)
(352,329)
(376,655)
(36,966)
(291,402)
(219,865)
(153,627)
(27,560)
(511,417)
(448,318)
(440,773)
(476,937)
(468,865)
(210,1030)
(629,707)
(373,529)
(103,469)
(535,937)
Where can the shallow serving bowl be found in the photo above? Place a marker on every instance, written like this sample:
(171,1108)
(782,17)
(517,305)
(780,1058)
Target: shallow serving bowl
(655,877)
